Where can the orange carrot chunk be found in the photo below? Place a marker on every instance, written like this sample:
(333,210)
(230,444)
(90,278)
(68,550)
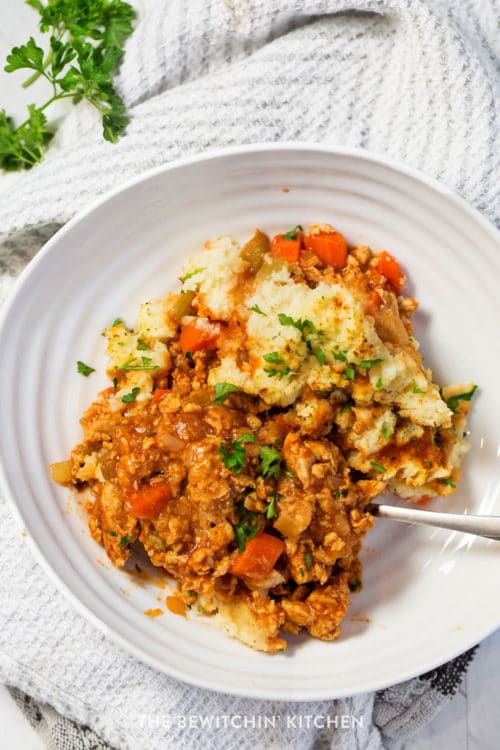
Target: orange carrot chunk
(329,247)
(259,556)
(390,268)
(194,338)
(149,500)
(285,248)
(159,395)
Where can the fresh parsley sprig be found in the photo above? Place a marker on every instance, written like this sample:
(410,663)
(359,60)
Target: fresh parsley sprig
(270,462)
(223,391)
(85,46)
(452,402)
(233,452)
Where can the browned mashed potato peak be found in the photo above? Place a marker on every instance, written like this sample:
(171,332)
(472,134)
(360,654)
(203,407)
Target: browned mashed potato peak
(252,418)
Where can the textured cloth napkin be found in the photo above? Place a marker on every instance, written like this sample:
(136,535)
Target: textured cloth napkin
(416,79)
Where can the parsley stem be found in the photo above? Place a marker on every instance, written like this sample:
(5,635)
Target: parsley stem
(36,75)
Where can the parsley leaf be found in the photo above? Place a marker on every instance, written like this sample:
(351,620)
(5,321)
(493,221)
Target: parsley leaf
(452,402)
(223,391)
(307,560)
(386,432)
(142,346)
(379,383)
(136,364)
(245,529)
(117,322)
(354,585)
(449,482)
(270,462)
(270,511)
(292,234)
(233,453)
(129,397)
(378,468)
(84,369)
(367,363)
(124,541)
(191,274)
(257,309)
(416,389)
(304,326)
(274,357)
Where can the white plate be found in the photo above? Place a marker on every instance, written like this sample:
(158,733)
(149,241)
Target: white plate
(428,594)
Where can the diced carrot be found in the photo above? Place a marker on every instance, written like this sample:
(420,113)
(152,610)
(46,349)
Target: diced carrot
(329,247)
(390,268)
(258,557)
(424,500)
(149,500)
(194,338)
(372,303)
(289,250)
(159,395)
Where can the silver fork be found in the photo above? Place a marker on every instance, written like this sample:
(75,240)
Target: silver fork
(487,526)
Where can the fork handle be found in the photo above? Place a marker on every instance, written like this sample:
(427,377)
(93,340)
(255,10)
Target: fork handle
(487,526)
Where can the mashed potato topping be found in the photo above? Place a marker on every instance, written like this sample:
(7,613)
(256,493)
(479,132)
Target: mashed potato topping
(252,418)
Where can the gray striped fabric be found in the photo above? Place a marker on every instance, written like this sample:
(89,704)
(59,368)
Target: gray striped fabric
(415,79)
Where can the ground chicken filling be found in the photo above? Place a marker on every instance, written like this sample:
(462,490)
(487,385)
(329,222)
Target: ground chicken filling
(253,416)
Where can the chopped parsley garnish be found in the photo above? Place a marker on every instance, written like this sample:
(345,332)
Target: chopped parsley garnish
(233,452)
(117,322)
(452,402)
(378,468)
(142,346)
(428,464)
(124,541)
(280,372)
(274,357)
(84,369)
(115,383)
(355,585)
(245,529)
(191,274)
(111,533)
(292,234)
(379,383)
(304,326)
(349,372)
(301,571)
(288,474)
(307,329)
(449,482)
(320,356)
(189,355)
(416,389)
(346,408)
(270,462)
(307,560)
(223,391)
(367,363)
(257,309)
(270,511)
(387,432)
(129,397)
(136,363)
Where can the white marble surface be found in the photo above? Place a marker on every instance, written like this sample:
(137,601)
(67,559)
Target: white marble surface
(471,721)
